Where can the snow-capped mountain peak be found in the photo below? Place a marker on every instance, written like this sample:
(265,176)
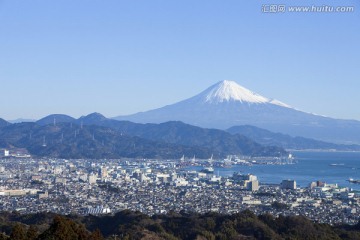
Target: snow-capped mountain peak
(226,91)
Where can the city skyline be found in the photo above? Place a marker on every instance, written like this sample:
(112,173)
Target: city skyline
(123,57)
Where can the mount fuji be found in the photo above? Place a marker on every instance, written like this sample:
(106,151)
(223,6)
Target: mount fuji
(227,104)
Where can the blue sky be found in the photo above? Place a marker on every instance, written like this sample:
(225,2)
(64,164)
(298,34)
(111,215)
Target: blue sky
(119,57)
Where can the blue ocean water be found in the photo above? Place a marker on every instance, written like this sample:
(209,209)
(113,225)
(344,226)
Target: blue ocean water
(310,166)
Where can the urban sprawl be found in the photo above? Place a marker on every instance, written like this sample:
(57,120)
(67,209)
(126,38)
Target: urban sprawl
(96,187)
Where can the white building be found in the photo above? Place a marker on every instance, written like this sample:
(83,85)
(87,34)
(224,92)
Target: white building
(4,153)
(92,178)
(180,182)
(98,210)
(252,185)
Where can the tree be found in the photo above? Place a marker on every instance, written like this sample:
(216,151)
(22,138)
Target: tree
(96,235)
(18,232)
(32,233)
(3,236)
(65,229)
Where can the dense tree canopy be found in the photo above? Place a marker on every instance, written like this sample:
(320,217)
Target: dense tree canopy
(172,226)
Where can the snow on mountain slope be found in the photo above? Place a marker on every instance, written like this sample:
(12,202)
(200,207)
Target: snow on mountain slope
(227,90)
(231,91)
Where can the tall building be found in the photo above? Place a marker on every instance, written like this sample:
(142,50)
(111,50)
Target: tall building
(103,172)
(247,180)
(252,185)
(288,184)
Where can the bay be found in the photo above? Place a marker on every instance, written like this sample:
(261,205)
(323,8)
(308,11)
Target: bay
(311,166)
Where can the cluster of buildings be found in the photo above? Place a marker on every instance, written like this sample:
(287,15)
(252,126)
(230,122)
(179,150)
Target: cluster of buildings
(158,186)
(14,152)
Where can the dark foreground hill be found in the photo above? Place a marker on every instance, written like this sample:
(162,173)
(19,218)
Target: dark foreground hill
(172,226)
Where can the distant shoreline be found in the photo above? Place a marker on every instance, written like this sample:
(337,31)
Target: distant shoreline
(319,150)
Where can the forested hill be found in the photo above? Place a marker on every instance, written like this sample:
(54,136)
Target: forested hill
(95,136)
(94,142)
(172,226)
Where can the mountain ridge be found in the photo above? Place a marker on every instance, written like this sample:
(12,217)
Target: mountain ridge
(3,122)
(95,142)
(267,138)
(94,136)
(54,118)
(179,133)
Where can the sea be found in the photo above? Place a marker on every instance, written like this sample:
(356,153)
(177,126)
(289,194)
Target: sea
(330,167)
